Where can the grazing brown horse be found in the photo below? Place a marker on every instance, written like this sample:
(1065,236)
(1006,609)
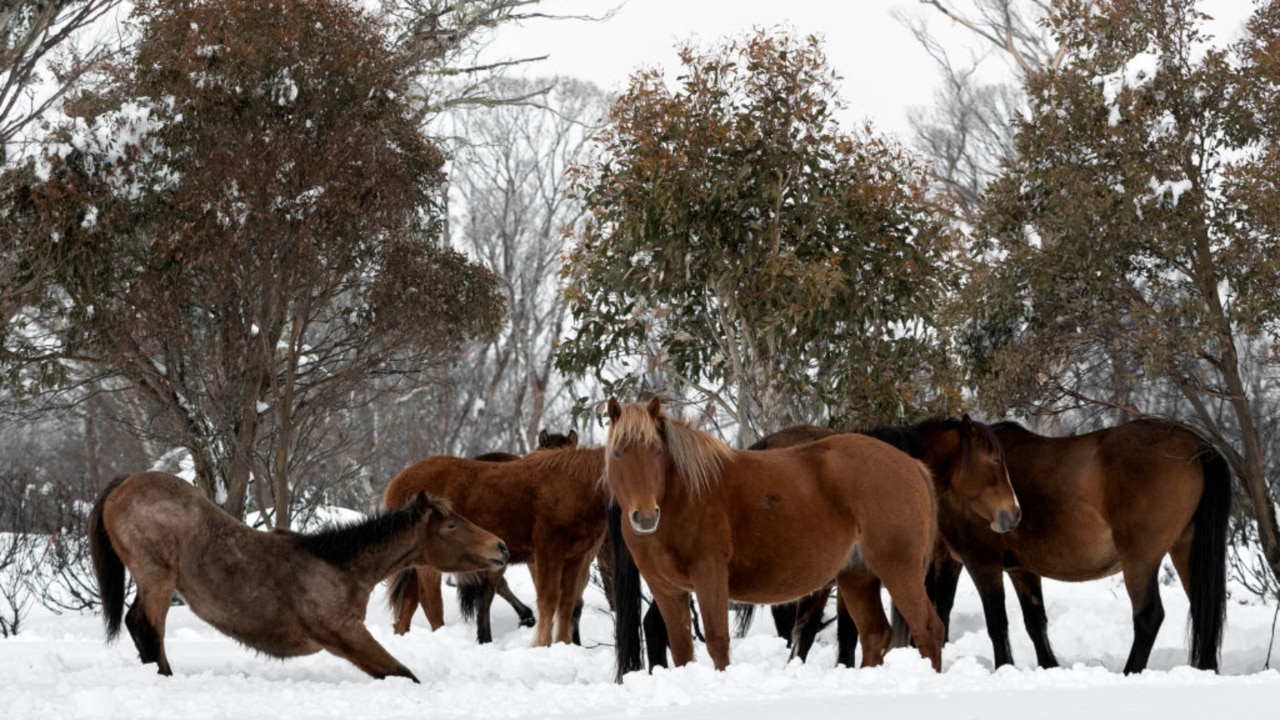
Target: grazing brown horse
(702,518)
(548,506)
(281,593)
(971,483)
(966,461)
(476,590)
(1114,500)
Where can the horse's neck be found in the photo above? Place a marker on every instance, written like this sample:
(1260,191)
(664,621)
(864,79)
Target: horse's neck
(384,557)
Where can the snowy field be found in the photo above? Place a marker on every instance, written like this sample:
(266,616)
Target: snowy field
(59,667)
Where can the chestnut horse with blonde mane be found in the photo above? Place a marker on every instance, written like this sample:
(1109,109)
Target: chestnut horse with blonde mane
(548,506)
(282,593)
(702,518)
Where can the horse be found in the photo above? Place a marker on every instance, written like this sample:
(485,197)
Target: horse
(283,594)
(476,590)
(1108,501)
(702,518)
(966,461)
(548,506)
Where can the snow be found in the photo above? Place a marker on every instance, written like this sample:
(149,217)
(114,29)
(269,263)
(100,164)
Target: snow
(59,667)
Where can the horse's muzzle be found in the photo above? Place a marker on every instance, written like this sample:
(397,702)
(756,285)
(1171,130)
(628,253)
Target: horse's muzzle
(645,525)
(506,555)
(1006,521)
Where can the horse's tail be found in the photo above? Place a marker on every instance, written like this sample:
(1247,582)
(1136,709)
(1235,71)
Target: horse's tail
(1209,562)
(744,614)
(471,588)
(626,599)
(107,566)
(402,595)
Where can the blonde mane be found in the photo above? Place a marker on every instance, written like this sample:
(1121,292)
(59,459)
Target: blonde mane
(698,456)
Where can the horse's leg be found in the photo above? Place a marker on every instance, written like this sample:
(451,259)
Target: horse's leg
(1031,598)
(572,582)
(547,574)
(353,642)
(809,611)
(1142,582)
(655,637)
(674,607)
(860,594)
(713,597)
(146,619)
(525,614)
(905,583)
(846,636)
(584,577)
(429,595)
(941,584)
(402,611)
(784,620)
(988,579)
(484,607)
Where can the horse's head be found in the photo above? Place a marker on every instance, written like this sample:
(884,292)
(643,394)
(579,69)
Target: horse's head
(637,462)
(452,543)
(979,477)
(551,441)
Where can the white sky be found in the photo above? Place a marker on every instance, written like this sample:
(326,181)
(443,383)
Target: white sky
(886,73)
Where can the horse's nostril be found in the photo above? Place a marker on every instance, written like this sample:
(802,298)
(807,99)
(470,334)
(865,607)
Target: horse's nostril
(506,553)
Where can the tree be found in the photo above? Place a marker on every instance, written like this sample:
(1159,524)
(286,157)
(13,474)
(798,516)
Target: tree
(272,213)
(1133,236)
(741,245)
(32,32)
(511,184)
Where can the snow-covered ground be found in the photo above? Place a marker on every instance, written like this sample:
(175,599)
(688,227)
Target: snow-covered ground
(59,667)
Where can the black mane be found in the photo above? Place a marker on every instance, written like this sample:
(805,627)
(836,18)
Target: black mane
(339,544)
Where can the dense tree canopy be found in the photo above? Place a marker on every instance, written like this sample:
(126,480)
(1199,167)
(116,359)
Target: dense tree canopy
(244,223)
(742,245)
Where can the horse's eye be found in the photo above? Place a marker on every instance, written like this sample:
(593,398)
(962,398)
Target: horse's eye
(452,525)
(617,453)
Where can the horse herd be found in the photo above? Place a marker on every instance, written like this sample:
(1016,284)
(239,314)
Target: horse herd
(783,523)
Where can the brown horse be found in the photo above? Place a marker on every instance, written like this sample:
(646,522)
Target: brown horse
(281,593)
(966,461)
(971,483)
(477,590)
(1114,500)
(548,506)
(702,518)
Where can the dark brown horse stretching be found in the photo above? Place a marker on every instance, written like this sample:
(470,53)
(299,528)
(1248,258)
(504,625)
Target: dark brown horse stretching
(1114,500)
(548,506)
(281,593)
(702,518)
(477,590)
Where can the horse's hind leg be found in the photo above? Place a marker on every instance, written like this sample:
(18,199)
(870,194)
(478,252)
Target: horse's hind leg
(1148,614)
(354,644)
(547,573)
(902,573)
(860,594)
(146,620)
(808,621)
(1031,598)
(522,610)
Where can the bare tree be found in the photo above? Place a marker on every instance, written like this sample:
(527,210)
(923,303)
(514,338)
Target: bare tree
(511,202)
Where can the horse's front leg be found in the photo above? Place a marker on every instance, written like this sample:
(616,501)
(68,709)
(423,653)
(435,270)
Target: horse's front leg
(673,605)
(353,642)
(712,589)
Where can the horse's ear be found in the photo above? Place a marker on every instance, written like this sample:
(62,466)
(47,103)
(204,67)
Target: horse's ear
(966,424)
(615,410)
(542,437)
(573,437)
(655,407)
(422,503)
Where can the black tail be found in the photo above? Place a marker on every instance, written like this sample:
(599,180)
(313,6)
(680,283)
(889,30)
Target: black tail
(743,615)
(107,566)
(1209,562)
(471,589)
(626,599)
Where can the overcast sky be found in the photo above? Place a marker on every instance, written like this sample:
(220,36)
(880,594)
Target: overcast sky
(886,73)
